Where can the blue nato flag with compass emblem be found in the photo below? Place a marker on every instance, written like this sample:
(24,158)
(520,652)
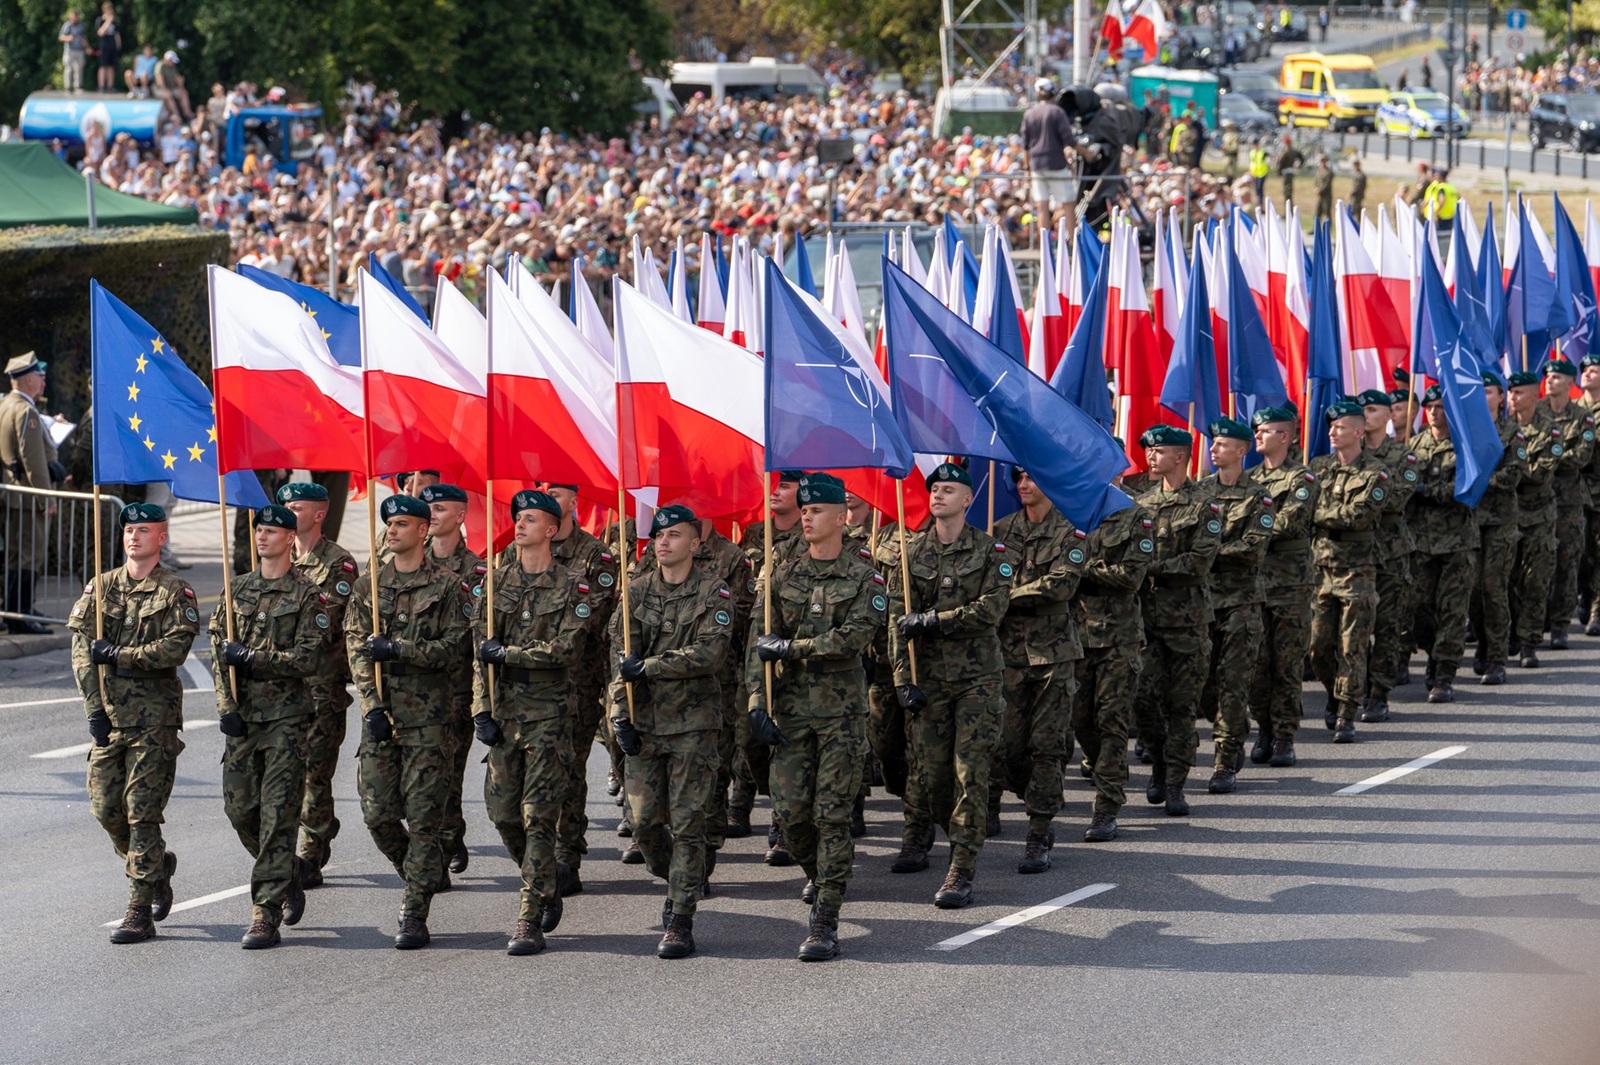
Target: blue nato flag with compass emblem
(1472,429)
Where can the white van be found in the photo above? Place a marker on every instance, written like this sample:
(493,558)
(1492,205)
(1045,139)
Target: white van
(763,78)
(987,109)
(658,102)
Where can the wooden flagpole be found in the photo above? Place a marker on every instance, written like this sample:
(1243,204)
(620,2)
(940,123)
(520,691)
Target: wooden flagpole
(905,567)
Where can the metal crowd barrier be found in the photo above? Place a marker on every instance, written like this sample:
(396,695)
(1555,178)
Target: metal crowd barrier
(69,547)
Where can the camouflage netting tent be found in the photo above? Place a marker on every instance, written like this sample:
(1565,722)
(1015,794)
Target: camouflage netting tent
(159,271)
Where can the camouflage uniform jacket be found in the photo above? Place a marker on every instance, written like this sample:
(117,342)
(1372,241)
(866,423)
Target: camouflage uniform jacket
(831,610)
(470,568)
(286,621)
(1536,494)
(333,570)
(1352,499)
(1499,503)
(682,632)
(543,619)
(1442,525)
(429,611)
(1591,470)
(969,583)
(154,621)
(1577,440)
(1119,552)
(1248,515)
(1049,555)
(1394,535)
(1286,570)
(1188,531)
(786,544)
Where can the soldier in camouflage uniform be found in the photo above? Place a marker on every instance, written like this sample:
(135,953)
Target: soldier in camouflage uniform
(539,617)
(665,707)
(278,628)
(1589,570)
(889,731)
(402,766)
(1536,517)
(1496,520)
(1039,641)
(827,606)
(1288,582)
(960,585)
(1393,554)
(1177,614)
(1353,496)
(134,702)
(1446,536)
(1237,591)
(1572,494)
(27,459)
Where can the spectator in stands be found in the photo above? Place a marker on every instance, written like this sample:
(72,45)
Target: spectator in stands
(74,38)
(141,77)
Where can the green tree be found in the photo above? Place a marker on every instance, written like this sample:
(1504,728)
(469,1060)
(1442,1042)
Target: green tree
(903,34)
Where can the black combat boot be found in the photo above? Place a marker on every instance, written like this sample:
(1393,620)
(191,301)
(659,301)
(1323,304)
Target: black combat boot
(1156,793)
(1558,637)
(738,826)
(1402,671)
(525,939)
(1442,692)
(294,900)
(413,933)
(633,855)
(777,849)
(459,857)
(808,894)
(1592,627)
(261,935)
(1177,805)
(956,891)
(991,823)
(1102,828)
(1377,709)
(1496,674)
(163,900)
(822,944)
(679,940)
(1261,750)
(1344,731)
(1036,852)
(568,882)
(551,917)
(913,858)
(1282,754)
(858,818)
(1529,659)
(136,926)
(1223,780)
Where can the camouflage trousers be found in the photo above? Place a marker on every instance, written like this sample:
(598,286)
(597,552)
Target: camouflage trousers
(130,780)
(263,780)
(454,828)
(572,823)
(1570,531)
(955,740)
(751,766)
(1530,582)
(527,779)
(324,741)
(1443,585)
(1235,643)
(727,751)
(886,732)
(815,779)
(1343,610)
(1107,679)
(404,790)
(1275,691)
(1172,674)
(1394,604)
(1589,566)
(668,784)
(1490,609)
(1035,739)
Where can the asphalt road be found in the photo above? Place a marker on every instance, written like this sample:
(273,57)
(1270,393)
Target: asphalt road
(1449,915)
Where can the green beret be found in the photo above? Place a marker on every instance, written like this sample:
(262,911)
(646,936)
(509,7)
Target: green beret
(1521,379)
(1163,435)
(1344,408)
(442,493)
(568,487)
(1490,380)
(1019,472)
(1290,406)
(532,499)
(399,506)
(142,514)
(821,488)
(791,476)
(1399,396)
(276,517)
(1268,415)
(1374,397)
(1230,429)
(1399,375)
(1591,359)
(949,472)
(1559,365)
(673,514)
(302,490)
(1435,393)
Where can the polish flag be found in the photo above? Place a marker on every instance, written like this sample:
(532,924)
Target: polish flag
(1132,353)
(1395,274)
(1297,304)
(281,399)
(690,412)
(680,285)
(1218,278)
(741,322)
(1591,243)
(938,279)
(1077,283)
(1166,294)
(1276,314)
(647,275)
(1147,24)
(1111,30)
(955,296)
(910,260)
(843,297)
(1252,254)
(1373,337)
(712,312)
(1048,339)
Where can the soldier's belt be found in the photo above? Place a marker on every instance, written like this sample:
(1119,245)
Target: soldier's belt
(1177,580)
(147,674)
(1288,547)
(1043,610)
(534,676)
(831,665)
(400,669)
(1349,536)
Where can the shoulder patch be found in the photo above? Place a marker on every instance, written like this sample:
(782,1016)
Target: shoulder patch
(1410,457)
(322,621)
(879,603)
(864,553)
(1147,545)
(348,567)
(1214,508)
(1410,475)
(1383,475)
(1266,521)
(998,546)
(1266,501)
(1213,526)
(722,617)
(321,598)
(582,610)
(465,587)
(1005,569)
(1522,452)
(1075,556)
(877,578)
(607,556)
(583,589)
(1378,493)
(482,569)
(1080,534)
(343,587)
(1148,523)
(188,591)
(724,593)
(1311,478)
(88,588)
(1556,449)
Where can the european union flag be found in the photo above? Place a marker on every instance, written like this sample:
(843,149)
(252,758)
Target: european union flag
(340,322)
(153,418)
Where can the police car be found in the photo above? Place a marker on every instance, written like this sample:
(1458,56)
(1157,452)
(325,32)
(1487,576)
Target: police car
(1417,115)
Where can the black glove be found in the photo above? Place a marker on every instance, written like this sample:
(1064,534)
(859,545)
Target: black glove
(100,728)
(492,652)
(237,654)
(925,623)
(627,736)
(379,728)
(772,648)
(232,725)
(869,666)
(488,730)
(764,730)
(383,649)
(103,653)
(631,669)
(912,701)
(58,472)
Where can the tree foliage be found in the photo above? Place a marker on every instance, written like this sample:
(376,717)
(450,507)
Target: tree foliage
(903,34)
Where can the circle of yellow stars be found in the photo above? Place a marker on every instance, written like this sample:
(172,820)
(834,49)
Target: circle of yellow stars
(168,459)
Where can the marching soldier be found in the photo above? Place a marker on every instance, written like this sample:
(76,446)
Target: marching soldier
(1589,580)
(1536,517)
(27,459)
(960,585)
(1392,553)
(134,702)
(1577,441)
(422,627)
(1496,520)
(521,709)
(665,707)
(1039,641)
(1237,591)
(279,627)
(1446,537)
(827,605)
(1177,614)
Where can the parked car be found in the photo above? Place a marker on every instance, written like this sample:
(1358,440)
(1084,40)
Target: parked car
(1570,118)
(1419,115)
(1259,86)
(1298,28)
(1245,114)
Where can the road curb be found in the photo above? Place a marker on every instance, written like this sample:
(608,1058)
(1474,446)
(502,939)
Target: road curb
(23,646)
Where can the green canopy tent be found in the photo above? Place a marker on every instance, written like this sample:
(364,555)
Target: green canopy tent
(37,189)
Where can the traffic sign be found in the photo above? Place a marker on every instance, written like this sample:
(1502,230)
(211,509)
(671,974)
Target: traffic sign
(1516,19)
(1514,41)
